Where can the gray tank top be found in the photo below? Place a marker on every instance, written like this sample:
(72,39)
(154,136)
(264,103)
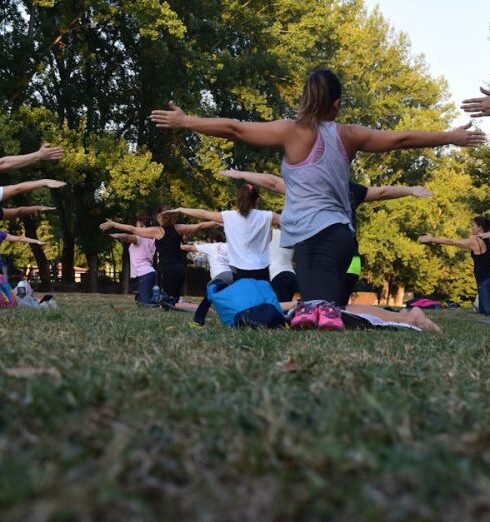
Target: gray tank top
(317,193)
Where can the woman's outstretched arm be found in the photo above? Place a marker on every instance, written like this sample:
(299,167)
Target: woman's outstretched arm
(22,239)
(198,213)
(45,153)
(470,244)
(357,138)
(148,232)
(185,230)
(125,238)
(268,181)
(263,134)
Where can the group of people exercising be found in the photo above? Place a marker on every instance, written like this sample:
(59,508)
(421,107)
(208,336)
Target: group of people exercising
(317,224)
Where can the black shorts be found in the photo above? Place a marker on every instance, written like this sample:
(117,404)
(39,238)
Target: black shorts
(262,274)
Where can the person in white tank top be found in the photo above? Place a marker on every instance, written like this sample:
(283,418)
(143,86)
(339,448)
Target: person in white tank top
(282,274)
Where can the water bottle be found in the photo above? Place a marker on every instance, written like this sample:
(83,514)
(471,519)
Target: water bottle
(156,294)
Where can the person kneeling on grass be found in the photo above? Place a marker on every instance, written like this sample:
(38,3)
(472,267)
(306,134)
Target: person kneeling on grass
(7,297)
(141,254)
(219,266)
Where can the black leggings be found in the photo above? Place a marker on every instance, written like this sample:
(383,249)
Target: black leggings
(350,281)
(172,277)
(285,284)
(322,261)
(262,274)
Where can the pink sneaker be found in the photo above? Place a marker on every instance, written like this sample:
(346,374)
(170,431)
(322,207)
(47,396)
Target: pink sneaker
(304,316)
(329,317)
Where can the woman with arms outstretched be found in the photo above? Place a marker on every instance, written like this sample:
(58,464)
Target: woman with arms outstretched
(168,238)
(316,220)
(247,233)
(480,252)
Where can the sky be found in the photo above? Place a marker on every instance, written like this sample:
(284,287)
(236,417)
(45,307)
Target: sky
(453,35)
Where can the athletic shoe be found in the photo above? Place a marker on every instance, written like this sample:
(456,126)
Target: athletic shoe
(304,316)
(329,317)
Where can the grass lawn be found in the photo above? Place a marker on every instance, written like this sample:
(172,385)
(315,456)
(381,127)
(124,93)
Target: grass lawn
(132,415)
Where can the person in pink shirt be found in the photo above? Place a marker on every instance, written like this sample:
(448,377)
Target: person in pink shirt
(141,254)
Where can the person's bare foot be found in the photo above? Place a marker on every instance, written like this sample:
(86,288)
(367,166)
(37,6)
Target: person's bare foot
(417,317)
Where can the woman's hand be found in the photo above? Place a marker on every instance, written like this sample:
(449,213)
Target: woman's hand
(172,119)
(53,183)
(466,138)
(421,192)
(49,153)
(425,239)
(479,107)
(108,223)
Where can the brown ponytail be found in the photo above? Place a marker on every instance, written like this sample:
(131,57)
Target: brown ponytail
(322,89)
(247,199)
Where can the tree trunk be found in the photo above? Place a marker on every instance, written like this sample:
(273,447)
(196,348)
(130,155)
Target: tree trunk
(41,260)
(93,272)
(68,260)
(398,296)
(124,279)
(385,292)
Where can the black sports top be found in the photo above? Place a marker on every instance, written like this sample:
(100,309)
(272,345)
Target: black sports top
(482,261)
(168,247)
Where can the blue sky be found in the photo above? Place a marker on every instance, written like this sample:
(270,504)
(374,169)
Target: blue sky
(453,35)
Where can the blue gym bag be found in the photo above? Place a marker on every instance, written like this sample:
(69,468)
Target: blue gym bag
(246,302)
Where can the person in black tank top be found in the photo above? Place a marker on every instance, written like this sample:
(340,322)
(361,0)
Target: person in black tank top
(168,238)
(480,253)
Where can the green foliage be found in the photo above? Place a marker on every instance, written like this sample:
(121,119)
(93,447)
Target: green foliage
(87,74)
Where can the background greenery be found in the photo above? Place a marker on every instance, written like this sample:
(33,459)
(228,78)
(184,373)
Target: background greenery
(86,74)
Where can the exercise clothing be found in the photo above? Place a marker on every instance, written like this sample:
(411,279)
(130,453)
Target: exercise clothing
(482,261)
(322,261)
(281,258)
(285,285)
(317,194)
(141,256)
(217,254)
(168,247)
(170,265)
(248,238)
(261,274)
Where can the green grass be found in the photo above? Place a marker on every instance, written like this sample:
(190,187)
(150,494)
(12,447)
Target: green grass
(149,419)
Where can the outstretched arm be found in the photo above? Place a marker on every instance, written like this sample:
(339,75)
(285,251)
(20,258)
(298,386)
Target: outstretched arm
(470,244)
(185,230)
(22,239)
(125,238)
(478,107)
(357,138)
(10,191)
(19,212)
(198,213)
(387,192)
(148,232)
(188,248)
(45,153)
(268,181)
(264,134)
